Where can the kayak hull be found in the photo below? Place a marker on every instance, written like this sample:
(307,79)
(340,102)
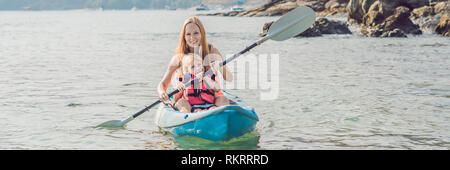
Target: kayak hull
(220,124)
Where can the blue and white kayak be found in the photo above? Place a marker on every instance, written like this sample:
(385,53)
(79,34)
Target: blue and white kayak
(219,124)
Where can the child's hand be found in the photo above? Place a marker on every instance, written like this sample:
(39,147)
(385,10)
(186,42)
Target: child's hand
(214,63)
(211,84)
(215,67)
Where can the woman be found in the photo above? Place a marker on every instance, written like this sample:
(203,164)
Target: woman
(193,40)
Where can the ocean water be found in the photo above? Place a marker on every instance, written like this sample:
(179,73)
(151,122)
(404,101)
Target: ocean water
(64,72)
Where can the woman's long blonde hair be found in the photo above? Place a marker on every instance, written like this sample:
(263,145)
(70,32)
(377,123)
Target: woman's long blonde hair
(183,48)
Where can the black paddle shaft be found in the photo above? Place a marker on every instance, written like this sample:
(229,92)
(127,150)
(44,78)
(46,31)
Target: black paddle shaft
(238,54)
(189,83)
(155,103)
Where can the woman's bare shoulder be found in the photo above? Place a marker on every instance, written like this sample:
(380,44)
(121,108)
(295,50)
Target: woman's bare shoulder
(175,61)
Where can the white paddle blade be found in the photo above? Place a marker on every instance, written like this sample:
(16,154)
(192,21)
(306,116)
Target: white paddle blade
(292,24)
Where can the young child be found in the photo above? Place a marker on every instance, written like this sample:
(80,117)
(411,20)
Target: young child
(200,95)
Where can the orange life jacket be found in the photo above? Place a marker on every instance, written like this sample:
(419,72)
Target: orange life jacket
(199,95)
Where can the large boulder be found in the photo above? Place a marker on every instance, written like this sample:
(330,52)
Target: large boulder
(333,7)
(326,26)
(430,10)
(422,12)
(381,18)
(414,3)
(428,17)
(401,20)
(358,9)
(443,27)
(311,32)
(441,7)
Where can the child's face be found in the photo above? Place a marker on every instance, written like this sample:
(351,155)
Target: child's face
(194,67)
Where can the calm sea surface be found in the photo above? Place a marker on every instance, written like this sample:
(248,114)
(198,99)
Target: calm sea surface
(64,72)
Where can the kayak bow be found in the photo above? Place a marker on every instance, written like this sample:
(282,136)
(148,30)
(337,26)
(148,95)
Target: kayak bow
(219,124)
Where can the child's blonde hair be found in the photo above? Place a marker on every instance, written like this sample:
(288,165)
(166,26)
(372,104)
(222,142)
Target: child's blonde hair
(188,60)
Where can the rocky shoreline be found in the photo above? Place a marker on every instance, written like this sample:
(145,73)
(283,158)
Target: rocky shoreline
(385,18)
(376,18)
(280,7)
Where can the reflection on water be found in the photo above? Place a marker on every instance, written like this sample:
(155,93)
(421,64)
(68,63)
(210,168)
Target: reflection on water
(248,141)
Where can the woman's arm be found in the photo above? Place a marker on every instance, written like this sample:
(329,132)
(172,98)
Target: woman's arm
(164,83)
(227,75)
